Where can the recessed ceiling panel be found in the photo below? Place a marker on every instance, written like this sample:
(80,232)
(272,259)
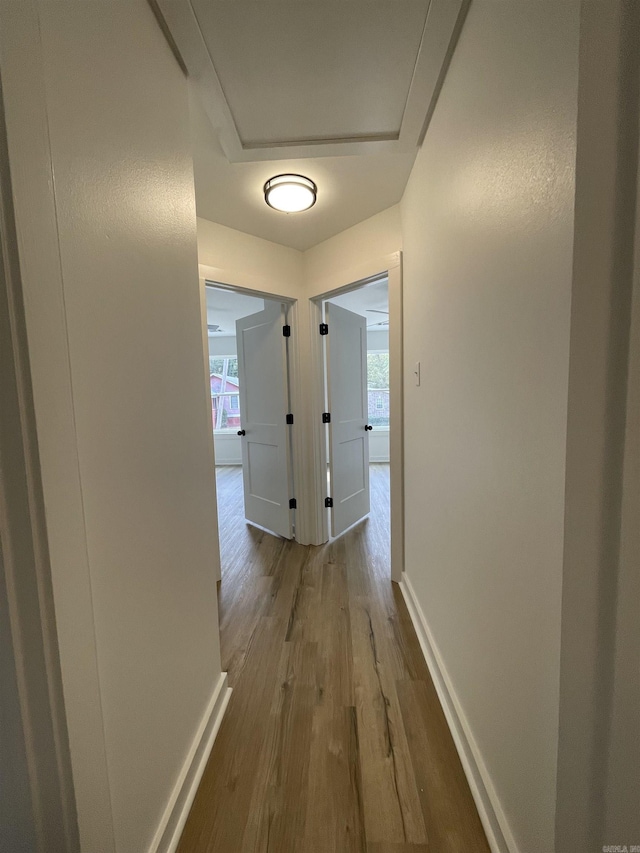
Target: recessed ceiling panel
(297,72)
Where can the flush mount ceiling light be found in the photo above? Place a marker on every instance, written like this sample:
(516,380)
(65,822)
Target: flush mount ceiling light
(290,193)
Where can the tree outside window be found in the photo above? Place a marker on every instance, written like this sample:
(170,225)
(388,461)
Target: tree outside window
(216,364)
(378,388)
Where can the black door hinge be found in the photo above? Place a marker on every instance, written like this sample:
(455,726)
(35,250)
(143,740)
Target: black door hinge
(326,417)
(289,419)
(324,328)
(293,503)
(328,502)
(286,331)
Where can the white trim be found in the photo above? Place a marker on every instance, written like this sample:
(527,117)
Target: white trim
(250,285)
(34,726)
(63,585)
(174,817)
(493,819)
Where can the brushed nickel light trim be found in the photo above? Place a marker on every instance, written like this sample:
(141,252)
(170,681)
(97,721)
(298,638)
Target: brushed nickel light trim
(290,193)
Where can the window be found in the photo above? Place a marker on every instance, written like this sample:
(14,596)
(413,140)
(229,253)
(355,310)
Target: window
(217,364)
(225,400)
(378,388)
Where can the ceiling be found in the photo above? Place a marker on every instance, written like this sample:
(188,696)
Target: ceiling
(371,301)
(339,91)
(350,189)
(224,307)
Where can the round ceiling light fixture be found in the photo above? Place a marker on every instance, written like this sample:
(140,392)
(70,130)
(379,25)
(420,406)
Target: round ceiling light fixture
(290,193)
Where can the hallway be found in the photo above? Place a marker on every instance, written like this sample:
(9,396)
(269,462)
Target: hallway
(334,739)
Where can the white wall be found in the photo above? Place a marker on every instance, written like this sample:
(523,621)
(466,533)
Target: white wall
(261,265)
(223,345)
(376,237)
(487,226)
(114,324)
(249,261)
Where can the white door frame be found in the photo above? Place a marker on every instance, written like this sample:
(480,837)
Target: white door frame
(34,740)
(391,268)
(225,281)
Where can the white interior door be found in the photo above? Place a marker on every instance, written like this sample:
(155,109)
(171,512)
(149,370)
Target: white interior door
(348,429)
(264,398)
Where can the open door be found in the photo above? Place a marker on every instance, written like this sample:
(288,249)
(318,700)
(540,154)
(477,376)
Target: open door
(346,345)
(264,399)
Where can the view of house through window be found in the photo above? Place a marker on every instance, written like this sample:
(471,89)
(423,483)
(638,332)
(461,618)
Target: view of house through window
(225,400)
(378,387)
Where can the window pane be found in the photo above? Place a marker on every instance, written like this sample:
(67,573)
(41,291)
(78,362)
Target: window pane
(378,385)
(225,400)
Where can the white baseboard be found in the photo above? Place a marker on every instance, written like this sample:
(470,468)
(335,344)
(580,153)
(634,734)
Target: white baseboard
(490,811)
(175,815)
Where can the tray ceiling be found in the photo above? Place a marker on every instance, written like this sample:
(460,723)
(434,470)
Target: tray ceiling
(307,73)
(339,91)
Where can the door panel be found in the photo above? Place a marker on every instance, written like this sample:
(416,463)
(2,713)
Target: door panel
(348,403)
(264,398)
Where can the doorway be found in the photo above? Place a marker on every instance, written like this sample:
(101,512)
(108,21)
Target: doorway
(247,336)
(356,363)
(358,381)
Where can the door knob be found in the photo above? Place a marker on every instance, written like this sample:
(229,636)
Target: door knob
(241,432)
(368,427)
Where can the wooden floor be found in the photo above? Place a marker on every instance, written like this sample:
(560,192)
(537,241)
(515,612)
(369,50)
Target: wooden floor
(334,739)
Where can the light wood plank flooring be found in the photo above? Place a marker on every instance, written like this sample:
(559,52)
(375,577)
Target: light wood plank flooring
(334,740)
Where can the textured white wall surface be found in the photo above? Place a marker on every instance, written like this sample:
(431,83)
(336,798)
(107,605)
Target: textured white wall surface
(376,237)
(487,226)
(129,319)
(249,261)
